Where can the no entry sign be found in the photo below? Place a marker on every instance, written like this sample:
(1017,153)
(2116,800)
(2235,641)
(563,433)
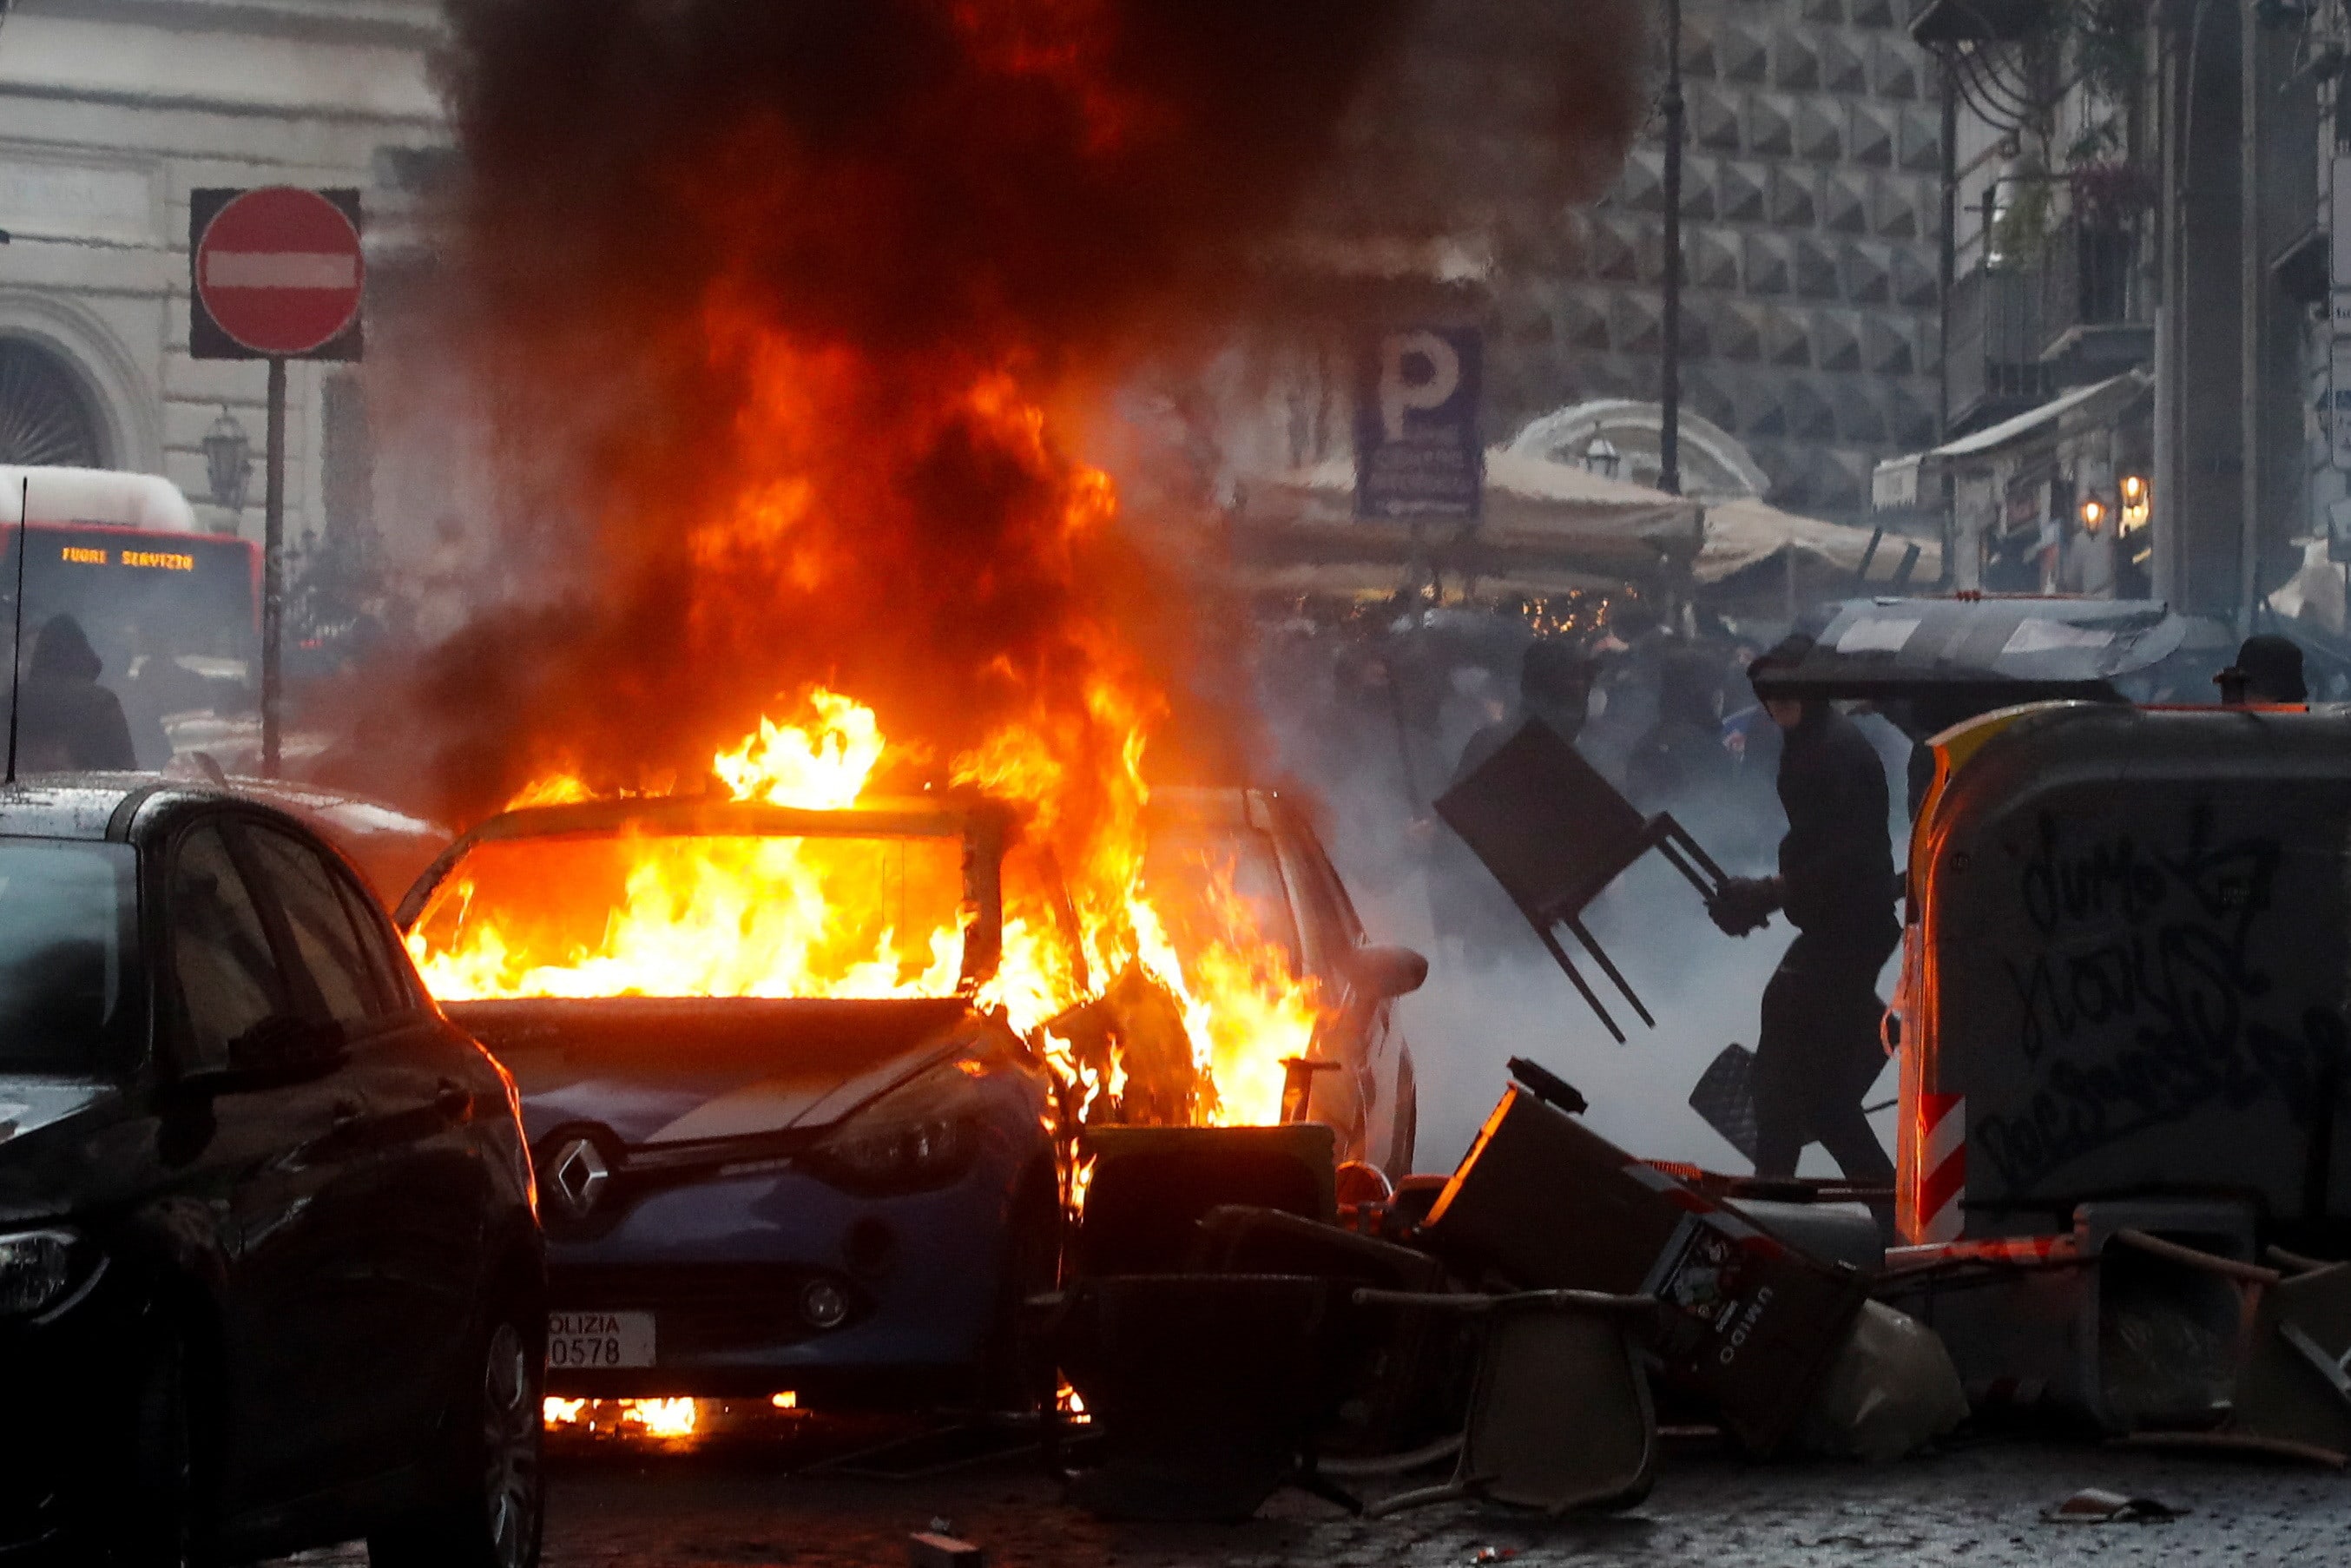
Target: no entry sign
(278,274)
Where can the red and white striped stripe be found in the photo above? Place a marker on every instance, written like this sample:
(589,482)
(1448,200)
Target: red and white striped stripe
(1942,1166)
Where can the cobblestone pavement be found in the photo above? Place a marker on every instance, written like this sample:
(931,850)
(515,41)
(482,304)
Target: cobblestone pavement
(744,1508)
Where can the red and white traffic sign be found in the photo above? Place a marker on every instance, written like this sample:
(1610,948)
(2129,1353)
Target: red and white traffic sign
(281,271)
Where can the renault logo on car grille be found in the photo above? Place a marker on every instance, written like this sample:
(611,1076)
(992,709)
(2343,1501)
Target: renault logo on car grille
(578,1174)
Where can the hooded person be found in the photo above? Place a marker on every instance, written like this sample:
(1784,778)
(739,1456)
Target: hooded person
(67,722)
(1817,1050)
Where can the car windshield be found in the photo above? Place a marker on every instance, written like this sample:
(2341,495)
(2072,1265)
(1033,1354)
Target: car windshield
(636,914)
(1218,886)
(64,910)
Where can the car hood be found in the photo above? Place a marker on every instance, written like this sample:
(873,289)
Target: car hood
(659,1072)
(53,1154)
(28,1105)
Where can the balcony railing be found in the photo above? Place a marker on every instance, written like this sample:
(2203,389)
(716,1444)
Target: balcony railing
(2009,319)
(2088,278)
(1995,358)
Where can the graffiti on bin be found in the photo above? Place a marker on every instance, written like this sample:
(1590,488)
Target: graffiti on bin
(2137,1000)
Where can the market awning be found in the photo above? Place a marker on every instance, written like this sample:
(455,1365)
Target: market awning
(1548,528)
(1742,535)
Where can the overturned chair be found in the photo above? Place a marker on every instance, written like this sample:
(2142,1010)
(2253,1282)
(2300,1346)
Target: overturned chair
(1559,1415)
(1555,834)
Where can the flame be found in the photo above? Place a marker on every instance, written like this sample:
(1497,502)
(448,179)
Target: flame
(644,1417)
(716,915)
(661,1417)
(822,767)
(1168,1041)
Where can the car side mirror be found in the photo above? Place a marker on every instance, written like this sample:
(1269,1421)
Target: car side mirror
(284,1043)
(1380,973)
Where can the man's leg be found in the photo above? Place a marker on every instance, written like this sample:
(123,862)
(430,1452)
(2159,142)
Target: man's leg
(1853,1057)
(1782,1083)
(1850,1140)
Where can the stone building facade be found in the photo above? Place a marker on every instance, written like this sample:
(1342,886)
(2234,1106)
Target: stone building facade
(110,112)
(1810,203)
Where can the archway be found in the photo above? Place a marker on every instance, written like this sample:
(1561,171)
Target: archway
(1714,465)
(45,416)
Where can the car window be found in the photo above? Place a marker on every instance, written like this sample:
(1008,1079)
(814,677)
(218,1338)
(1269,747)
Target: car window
(1323,895)
(385,958)
(320,925)
(65,909)
(1219,884)
(221,960)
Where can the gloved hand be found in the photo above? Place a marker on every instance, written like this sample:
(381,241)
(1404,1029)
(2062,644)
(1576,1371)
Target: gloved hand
(1744,903)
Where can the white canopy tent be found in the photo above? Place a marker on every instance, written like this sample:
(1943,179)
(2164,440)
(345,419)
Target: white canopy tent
(1546,527)
(1742,535)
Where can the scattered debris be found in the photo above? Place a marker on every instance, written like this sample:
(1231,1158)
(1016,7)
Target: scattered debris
(1205,1390)
(1231,1325)
(1890,1392)
(1750,1323)
(1149,1185)
(1392,1379)
(2121,1324)
(1561,1417)
(2096,1505)
(2293,1387)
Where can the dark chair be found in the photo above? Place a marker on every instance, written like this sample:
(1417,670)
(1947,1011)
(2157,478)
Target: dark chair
(1560,1417)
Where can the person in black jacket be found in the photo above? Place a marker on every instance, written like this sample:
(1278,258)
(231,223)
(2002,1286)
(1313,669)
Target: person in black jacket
(69,723)
(1818,1051)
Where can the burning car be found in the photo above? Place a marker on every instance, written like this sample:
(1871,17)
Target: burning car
(804,1065)
(784,1143)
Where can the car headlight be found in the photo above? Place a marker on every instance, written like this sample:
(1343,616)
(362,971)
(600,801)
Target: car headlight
(36,1268)
(920,1134)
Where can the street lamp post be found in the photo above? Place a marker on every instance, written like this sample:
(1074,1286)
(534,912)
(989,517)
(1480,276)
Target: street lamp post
(1601,457)
(1669,398)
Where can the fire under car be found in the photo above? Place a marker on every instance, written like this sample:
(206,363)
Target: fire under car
(749,1188)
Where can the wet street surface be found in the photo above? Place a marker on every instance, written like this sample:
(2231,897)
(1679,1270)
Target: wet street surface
(744,1505)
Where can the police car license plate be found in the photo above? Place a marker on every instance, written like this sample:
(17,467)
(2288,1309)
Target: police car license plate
(584,1340)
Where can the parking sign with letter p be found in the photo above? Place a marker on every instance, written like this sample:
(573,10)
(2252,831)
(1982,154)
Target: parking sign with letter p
(1417,452)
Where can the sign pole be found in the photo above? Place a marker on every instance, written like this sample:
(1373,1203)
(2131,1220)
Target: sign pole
(272,571)
(274,273)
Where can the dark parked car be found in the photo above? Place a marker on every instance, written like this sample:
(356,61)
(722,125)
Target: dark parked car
(270,1275)
(746,1194)
(1288,889)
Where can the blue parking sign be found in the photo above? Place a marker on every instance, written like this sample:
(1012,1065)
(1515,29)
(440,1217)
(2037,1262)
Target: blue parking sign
(1417,452)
